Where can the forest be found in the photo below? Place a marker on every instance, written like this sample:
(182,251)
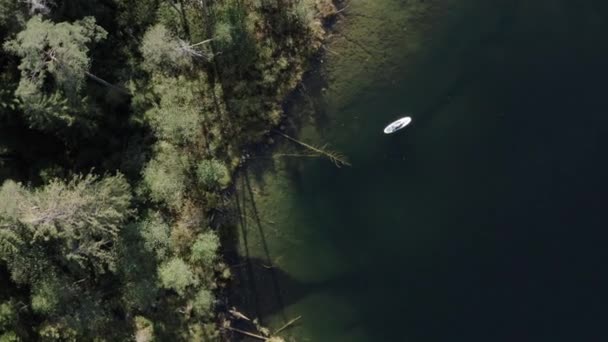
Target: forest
(122,123)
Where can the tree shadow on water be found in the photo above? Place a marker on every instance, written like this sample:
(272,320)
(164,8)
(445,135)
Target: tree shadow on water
(259,287)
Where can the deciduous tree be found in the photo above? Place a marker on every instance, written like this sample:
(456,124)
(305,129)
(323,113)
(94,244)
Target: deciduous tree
(204,249)
(163,51)
(177,275)
(165,175)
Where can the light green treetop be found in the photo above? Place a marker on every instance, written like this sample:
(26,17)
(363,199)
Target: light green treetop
(177,117)
(155,233)
(53,50)
(203,302)
(177,275)
(204,250)
(83,215)
(213,173)
(163,51)
(165,175)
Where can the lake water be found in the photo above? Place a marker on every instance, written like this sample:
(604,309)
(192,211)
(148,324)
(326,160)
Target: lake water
(484,220)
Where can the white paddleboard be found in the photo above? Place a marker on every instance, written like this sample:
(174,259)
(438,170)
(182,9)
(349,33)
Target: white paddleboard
(397,125)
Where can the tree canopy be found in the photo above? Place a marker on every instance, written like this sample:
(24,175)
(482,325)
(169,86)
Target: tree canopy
(112,202)
(54,56)
(81,218)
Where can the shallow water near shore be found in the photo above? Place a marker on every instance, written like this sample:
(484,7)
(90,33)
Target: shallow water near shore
(484,220)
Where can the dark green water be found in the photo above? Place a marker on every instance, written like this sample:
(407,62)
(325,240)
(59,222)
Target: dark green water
(485,220)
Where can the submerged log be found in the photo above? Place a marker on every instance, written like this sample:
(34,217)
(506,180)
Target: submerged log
(287,325)
(237,314)
(246,333)
(337,158)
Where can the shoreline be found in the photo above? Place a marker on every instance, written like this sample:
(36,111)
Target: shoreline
(267,145)
(277,285)
(196,118)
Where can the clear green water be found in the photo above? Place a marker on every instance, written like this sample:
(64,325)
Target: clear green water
(485,220)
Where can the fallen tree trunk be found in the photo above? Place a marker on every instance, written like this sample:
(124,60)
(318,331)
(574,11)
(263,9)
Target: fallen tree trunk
(287,325)
(337,158)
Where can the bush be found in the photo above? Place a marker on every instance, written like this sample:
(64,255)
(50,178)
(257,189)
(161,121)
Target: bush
(304,12)
(8,316)
(203,303)
(165,175)
(9,337)
(213,173)
(204,250)
(178,117)
(223,33)
(57,332)
(46,297)
(155,232)
(176,275)
(162,50)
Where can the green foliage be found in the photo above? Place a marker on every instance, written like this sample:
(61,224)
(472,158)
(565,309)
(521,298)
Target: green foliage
(165,175)
(137,266)
(81,217)
(182,236)
(136,14)
(58,50)
(203,303)
(223,33)
(42,110)
(212,174)
(162,51)
(10,336)
(205,248)
(169,16)
(205,78)
(144,329)
(46,296)
(57,332)
(155,233)
(26,264)
(11,195)
(177,275)
(177,117)
(206,332)
(8,316)
(139,294)
(12,15)
(304,12)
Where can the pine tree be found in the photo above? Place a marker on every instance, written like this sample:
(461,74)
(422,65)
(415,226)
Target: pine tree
(53,54)
(79,219)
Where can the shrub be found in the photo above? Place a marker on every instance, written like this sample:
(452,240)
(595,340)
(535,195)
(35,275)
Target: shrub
(46,296)
(162,50)
(213,173)
(155,232)
(203,303)
(165,175)
(8,316)
(204,250)
(10,336)
(178,117)
(176,275)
